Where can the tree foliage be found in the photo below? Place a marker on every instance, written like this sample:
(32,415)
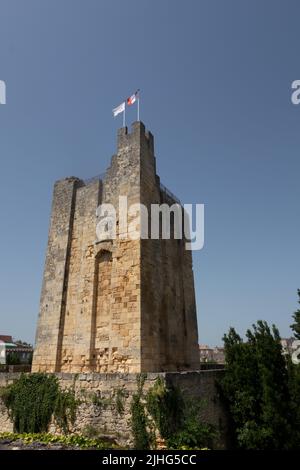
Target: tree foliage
(258,389)
(296,316)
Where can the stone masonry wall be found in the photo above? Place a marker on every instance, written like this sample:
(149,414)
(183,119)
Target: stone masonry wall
(168,309)
(103,387)
(54,281)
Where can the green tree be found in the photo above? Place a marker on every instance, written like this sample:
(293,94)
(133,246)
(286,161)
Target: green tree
(256,389)
(296,316)
(294,379)
(294,387)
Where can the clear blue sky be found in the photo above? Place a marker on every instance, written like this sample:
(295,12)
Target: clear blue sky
(215,79)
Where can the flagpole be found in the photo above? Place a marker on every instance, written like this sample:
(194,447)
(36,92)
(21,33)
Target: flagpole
(138,108)
(124,121)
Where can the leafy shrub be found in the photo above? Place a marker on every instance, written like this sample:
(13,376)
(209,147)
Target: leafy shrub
(175,417)
(166,407)
(193,433)
(34,398)
(74,440)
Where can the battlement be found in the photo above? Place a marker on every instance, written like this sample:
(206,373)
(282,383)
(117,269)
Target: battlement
(136,138)
(138,134)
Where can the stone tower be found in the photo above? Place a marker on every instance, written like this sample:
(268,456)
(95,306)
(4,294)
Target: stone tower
(119,305)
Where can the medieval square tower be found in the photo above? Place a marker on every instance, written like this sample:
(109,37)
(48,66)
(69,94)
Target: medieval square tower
(119,305)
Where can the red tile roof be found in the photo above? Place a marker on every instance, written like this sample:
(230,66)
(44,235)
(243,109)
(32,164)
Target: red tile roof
(6,338)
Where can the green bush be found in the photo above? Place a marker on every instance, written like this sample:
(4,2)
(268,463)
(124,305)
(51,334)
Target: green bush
(74,440)
(34,398)
(193,432)
(175,417)
(166,407)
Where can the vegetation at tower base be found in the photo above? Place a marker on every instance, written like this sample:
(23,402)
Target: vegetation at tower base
(166,406)
(261,388)
(33,399)
(74,441)
(167,412)
(138,417)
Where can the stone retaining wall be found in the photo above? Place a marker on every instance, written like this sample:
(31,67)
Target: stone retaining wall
(98,393)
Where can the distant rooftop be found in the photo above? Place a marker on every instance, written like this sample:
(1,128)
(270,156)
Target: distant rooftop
(6,338)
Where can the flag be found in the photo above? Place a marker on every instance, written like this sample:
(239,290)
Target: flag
(119,109)
(132,98)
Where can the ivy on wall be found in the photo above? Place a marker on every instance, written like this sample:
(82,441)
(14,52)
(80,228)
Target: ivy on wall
(167,412)
(163,412)
(138,417)
(33,399)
